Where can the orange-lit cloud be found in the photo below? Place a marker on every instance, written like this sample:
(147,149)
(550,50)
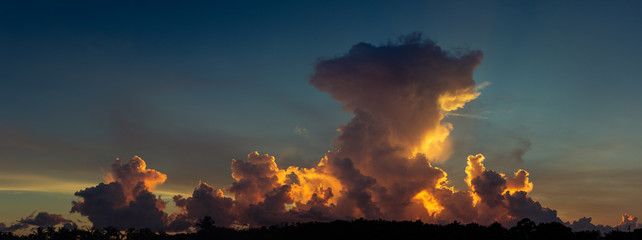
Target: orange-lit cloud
(125,201)
(381,168)
(399,94)
(474,168)
(628,223)
(519,182)
(132,174)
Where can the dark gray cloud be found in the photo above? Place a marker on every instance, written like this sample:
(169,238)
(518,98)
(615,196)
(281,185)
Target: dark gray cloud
(489,186)
(42,219)
(126,201)
(271,210)
(520,206)
(584,224)
(12,227)
(45,219)
(628,223)
(207,201)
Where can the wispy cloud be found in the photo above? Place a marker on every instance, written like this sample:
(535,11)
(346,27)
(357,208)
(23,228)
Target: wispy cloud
(301,130)
(465,115)
(39,183)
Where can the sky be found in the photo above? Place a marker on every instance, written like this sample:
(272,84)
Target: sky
(189,87)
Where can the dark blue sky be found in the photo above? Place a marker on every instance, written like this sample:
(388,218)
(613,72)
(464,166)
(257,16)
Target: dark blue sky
(189,87)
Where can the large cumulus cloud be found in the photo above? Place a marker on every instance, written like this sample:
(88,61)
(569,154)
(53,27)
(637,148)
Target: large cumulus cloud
(382,165)
(126,201)
(398,94)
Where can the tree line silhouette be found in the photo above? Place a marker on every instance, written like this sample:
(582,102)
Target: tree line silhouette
(355,229)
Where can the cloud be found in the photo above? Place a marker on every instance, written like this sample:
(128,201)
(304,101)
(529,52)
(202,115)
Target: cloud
(399,94)
(489,186)
(502,198)
(523,146)
(12,227)
(355,191)
(474,168)
(126,200)
(465,115)
(42,219)
(520,206)
(382,165)
(628,223)
(38,183)
(271,210)
(207,201)
(254,178)
(301,130)
(519,182)
(584,224)
(45,219)
(132,174)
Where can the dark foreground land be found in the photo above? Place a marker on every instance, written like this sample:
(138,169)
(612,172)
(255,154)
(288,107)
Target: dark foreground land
(357,229)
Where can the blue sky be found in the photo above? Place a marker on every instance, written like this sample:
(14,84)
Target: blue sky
(189,87)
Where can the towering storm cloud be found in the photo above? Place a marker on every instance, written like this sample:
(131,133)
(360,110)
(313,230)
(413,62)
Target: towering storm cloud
(398,93)
(380,167)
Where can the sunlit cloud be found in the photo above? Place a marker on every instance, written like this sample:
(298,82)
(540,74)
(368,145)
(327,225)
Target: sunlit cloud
(384,164)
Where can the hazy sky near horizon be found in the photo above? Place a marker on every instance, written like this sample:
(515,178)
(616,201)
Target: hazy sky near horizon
(189,87)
